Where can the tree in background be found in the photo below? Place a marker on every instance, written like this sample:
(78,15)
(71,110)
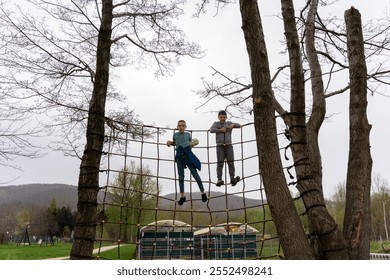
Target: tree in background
(251,217)
(39,221)
(8,222)
(134,196)
(64,219)
(17,133)
(337,204)
(379,205)
(379,199)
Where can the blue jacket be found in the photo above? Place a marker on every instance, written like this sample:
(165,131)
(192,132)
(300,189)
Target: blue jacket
(187,150)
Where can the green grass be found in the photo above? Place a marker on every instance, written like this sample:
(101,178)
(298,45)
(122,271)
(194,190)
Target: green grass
(126,252)
(37,252)
(375,247)
(34,251)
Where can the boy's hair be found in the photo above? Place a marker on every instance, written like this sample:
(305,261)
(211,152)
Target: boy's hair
(181,121)
(222,112)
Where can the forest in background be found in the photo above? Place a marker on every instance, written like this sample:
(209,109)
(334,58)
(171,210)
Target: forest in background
(31,204)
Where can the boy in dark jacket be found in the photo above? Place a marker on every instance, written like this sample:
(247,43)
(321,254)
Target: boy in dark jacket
(223,138)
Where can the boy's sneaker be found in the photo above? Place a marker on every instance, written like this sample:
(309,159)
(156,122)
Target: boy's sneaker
(204,197)
(235,180)
(219,183)
(182,200)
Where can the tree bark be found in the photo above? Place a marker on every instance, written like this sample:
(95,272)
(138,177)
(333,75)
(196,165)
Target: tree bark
(88,185)
(289,227)
(385,220)
(323,226)
(318,108)
(357,221)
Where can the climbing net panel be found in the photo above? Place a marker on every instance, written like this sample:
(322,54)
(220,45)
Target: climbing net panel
(138,209)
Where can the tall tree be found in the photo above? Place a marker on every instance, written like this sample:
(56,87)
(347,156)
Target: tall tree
(357,221)
(60,54)
(304,137)
(88,186)
(278,196)
(321,222)
(85,226)
(320,51)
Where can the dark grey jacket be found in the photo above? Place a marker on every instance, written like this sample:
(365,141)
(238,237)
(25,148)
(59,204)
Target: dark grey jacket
(220,137)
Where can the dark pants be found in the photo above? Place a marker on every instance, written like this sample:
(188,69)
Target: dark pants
(182,161)
(225,152)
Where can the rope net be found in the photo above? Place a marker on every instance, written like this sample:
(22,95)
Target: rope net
(138,200)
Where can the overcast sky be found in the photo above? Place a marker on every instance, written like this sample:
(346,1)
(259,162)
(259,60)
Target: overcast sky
(165,100)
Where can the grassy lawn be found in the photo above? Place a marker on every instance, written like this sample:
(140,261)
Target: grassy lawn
(375,247)
(37,252)
(34,251)
(126,252)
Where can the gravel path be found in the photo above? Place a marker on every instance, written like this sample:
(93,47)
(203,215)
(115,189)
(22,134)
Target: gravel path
(102,249)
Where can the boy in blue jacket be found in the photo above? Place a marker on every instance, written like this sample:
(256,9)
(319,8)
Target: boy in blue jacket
(223,138)
(185,158)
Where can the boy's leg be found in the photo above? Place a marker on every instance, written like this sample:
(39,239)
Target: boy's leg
(220,161)
(196,176)
(180,172)
(230,160)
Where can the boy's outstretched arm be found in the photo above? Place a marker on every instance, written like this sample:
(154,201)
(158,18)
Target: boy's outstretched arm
(170,143)
(236,125)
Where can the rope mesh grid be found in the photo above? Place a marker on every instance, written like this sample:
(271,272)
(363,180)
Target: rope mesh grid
(139,199)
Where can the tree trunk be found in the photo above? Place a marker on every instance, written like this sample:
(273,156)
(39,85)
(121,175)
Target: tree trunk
(88,185)
(318,110)
(385,220)
(289,227)
(321,222)
(357,221)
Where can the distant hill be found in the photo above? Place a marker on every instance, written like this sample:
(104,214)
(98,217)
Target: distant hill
(39,195)
(66,195)
(218,202)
